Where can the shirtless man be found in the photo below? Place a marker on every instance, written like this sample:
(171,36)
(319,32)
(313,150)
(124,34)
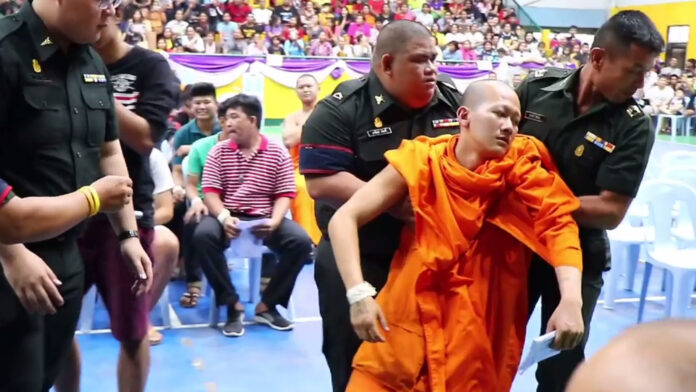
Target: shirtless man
(302,207)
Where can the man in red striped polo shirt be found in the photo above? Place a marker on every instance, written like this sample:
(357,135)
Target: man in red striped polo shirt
(249,177)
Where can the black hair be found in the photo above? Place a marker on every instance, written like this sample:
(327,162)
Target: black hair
(249,104)
(626,28)
(307,76)
(395,36)
(202,90)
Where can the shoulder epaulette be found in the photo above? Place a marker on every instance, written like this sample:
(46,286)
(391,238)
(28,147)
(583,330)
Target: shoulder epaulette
(346,89)
(9,24)
(633,110)
(549,72)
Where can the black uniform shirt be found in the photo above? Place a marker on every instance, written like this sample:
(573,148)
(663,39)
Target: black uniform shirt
(56,109)
(351,129)
(605,148)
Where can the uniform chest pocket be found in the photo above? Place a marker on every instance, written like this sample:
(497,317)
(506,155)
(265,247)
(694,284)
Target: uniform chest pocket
(45,117)
(98,108)
(373,143)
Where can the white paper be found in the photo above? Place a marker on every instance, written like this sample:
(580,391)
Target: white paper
(541,349)
(247,245)
(274,60)
(484,65)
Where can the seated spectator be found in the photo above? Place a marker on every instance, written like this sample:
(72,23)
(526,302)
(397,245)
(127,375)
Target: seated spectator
(239,43)
(275,29)
(239,11)
(658,95)
(672,69)
(226,29)
(362,48)
(468,53)
(359,27)
(178,25)
(276,46)
(203,25)
(321,46)
(676,105)
(404,13)
(308,15)
(192,41)
(294,45)
(286,11)
(425,16)
(454,35)
(251,28)
(386,15)
(452,52)
(342,48)
(250,177)
(257,47)
(326,17)
(262,14)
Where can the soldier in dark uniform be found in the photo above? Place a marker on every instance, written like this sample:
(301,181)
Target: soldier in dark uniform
(601,141)
(343,145)
(59,133)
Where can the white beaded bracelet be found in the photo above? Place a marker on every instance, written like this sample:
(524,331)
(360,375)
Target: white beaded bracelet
(359,292)
(222,216)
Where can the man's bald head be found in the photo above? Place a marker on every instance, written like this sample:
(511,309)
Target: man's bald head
(658,356)
(395,37)
(480,91)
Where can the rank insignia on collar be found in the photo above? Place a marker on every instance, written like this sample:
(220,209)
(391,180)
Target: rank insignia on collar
(378,122)
(36,66)
(379,99)
(539,73)
(94,78)
(379,132)
(47,42)
(633,111)
(338,95)
(445,123)
(599,142)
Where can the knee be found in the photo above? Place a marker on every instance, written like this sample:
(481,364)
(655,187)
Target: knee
(167,244)
(208,229)
(301,244)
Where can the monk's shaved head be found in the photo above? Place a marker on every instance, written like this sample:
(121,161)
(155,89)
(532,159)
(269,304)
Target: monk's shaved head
(477,92)
(395,37)
(652,357)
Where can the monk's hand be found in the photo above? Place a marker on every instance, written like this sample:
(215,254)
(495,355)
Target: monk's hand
(364,315)
(403,211)
(566,320)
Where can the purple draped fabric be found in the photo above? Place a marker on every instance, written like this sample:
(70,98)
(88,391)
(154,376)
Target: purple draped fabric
(218,63)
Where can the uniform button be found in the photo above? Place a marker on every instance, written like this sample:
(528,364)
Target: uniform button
(74,110)
(78,154)
(101,103)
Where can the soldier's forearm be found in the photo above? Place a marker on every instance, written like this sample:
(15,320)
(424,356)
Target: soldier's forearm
(334,189)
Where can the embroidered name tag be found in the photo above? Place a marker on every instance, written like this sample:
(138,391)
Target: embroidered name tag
(445,123)
(94,78)
(379,132)
(534,116)
(599,142)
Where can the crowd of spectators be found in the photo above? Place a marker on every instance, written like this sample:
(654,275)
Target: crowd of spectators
(465,30)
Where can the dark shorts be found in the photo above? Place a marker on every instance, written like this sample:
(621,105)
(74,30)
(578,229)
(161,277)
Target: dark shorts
(105,267)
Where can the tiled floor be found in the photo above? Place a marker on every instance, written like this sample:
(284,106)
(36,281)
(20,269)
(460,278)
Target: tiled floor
(194,357)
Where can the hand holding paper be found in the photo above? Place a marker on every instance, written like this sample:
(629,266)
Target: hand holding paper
(542,348)
(247,244)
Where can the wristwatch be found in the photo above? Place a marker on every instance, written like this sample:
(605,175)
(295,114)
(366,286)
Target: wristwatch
(128,234)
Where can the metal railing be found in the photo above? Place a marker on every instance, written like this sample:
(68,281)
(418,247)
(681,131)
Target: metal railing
(526,20)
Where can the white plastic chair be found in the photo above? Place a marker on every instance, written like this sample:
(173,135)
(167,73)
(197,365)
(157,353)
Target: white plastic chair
(89,302)
(675,122)
(626,244)
(665,251)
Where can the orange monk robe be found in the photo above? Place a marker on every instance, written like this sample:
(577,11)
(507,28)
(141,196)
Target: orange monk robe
(456,296)
(302,206)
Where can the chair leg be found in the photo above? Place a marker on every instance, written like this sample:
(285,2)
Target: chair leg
(644,290)
(632,256)
(163,304)
(214,311)
(89,302)
(255,280)
(673,123)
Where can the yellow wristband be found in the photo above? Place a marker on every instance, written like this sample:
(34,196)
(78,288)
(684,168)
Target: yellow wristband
(88,195)
(95,196)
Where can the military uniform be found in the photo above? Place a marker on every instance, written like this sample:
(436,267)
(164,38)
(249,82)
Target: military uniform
(350,130)
(605,148)
(56,113)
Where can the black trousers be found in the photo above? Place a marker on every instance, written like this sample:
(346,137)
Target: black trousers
(340,341)
(33,347)
(290,242)
(554,373)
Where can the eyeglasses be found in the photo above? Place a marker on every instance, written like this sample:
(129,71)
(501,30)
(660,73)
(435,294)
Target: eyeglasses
(105,4)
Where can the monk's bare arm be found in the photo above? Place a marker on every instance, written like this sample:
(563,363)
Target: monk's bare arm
(292,131)
(382,192)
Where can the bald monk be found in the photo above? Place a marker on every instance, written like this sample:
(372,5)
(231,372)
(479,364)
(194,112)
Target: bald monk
(452,316)
(658,356)
(302,206)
